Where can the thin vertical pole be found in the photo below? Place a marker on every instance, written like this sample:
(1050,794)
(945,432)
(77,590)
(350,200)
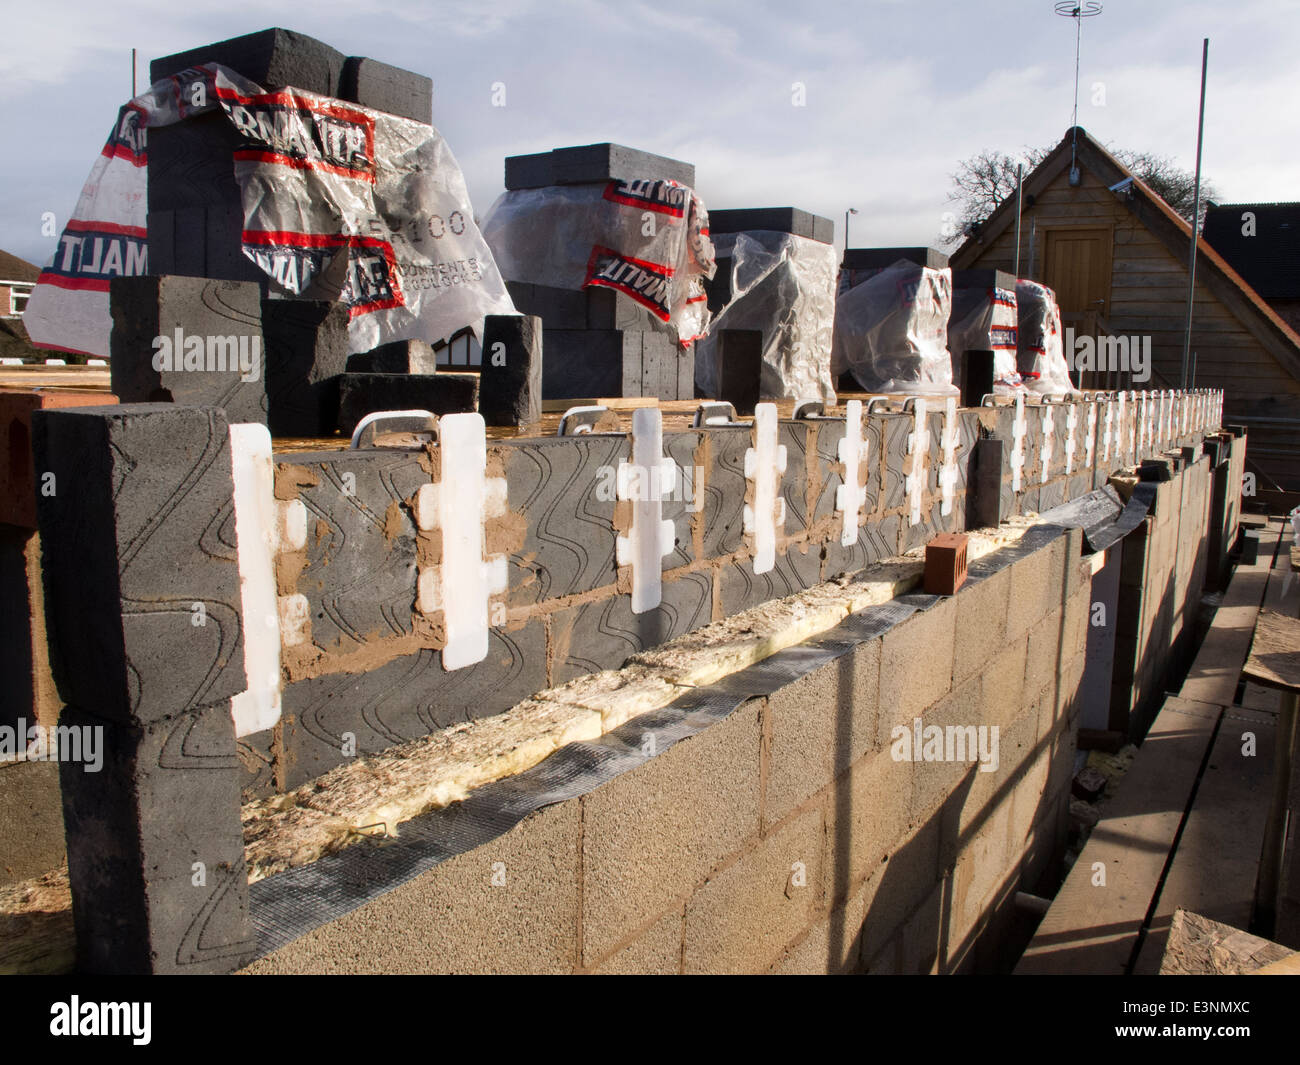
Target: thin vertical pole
(1196,215)
(132,73)
(1020,176)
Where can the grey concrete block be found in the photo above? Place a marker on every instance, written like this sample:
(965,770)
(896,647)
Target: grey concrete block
(558,308)
(155,847)
(510,391)
(306,352)
(687,501)
(591,163)
(878,539)
(590,363)
(776,219)
(439,393)
(274,58)
(740,368)
(360,572)
(387,88)
(879,258)
(404,699)
(563,490)
(795,437)
(895,429)
(142,592)
(984,485)
(795,571)
(724,496)
(398,356)
(604,634)
(608,308)
(257,765)
(218,326)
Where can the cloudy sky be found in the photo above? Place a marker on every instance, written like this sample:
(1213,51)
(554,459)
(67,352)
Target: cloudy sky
(895,92)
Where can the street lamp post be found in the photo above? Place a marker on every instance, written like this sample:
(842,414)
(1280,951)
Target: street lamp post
(851,210)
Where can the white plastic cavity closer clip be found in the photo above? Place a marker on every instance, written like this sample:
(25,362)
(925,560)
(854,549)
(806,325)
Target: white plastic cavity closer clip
(918,446)
(764,464)
(646,481)
(1019,430)
(260,525)
(1045,452)
(851,496)
(1090,437)
(1107,435)
(1071,422)
(463,584)
(948,471)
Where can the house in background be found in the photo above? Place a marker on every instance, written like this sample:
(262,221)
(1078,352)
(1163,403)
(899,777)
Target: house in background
(16,280)
(1261,241)
(1116,255)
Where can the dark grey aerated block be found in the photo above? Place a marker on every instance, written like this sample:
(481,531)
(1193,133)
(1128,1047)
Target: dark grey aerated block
(510,392)
(593,163)
(439,393)
(141,572)
(155,846)
(774,219)
(222,317)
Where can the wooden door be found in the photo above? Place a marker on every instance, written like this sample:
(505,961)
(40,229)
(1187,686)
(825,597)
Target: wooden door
(1076,266)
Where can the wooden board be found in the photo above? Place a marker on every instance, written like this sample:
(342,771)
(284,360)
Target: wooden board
(1275,652)
(1216,862)
(1091,928)
(1217,667)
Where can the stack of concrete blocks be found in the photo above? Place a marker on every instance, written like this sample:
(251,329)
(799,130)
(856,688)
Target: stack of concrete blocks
(973,368)
(740,350)
(31,830)
(859,264)
(598,341)
(195,225)
(144,608)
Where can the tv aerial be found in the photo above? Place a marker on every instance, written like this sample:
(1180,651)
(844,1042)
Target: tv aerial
(1078,12)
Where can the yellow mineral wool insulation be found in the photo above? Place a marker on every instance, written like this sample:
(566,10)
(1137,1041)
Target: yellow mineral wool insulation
(375,793)
(36,936)
(708,654)
(618,695)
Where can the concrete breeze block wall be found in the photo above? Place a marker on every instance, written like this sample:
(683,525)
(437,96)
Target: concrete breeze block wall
(785,837)
(371,665)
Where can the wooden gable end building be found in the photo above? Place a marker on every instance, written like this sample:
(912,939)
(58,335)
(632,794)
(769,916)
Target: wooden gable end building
(1117,255)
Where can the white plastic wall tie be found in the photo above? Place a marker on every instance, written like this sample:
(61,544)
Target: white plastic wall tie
(1019,430)
(851,496)
(1090,436)
(1045,452)
(367,428)
(948,470)
(1107,432)
(645,482)
(764,465)
(461,586)
(1071,423)
(918,446)
(258,525)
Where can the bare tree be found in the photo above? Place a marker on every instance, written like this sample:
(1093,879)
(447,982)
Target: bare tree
(1173,184)
(982,182)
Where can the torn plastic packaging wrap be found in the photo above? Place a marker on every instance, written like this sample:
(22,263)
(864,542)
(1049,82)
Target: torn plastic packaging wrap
(340,202)
(646,238)
(784,286)
(986,320)
(1040,355)
(891,330)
